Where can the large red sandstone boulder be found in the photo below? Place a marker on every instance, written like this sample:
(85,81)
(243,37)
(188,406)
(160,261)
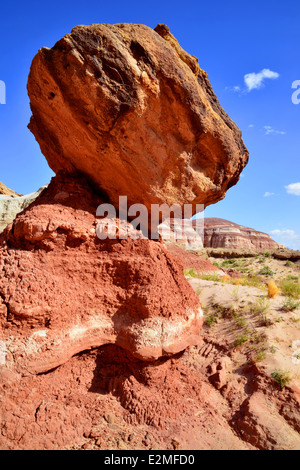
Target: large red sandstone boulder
(127,107)
(63,290)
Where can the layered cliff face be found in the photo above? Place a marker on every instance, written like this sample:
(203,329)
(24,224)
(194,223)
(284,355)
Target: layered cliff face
(220,233)
(211,232)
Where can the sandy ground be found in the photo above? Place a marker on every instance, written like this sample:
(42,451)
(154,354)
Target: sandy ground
(273,333)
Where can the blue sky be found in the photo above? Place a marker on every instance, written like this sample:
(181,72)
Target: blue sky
(250,51)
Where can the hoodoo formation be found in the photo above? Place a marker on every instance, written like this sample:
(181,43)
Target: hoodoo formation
(117,110)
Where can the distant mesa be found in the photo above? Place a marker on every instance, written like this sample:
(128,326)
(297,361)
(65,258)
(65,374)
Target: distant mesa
(221,233)
(211,232)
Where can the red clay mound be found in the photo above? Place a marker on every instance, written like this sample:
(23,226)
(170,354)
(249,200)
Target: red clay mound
(106,399)
(63,290)
(193,261)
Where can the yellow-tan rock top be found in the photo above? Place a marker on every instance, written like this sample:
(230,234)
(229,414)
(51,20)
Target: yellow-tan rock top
(128,108)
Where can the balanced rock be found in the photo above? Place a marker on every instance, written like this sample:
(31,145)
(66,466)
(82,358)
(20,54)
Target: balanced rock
(63,290)
(128,108)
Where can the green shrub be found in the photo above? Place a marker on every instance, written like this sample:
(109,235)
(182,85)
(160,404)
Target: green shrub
(251,281)
(211,320)
(260,306)
(228,262)
(266,271)
(240,340)
(241,321)
(281,377)
(290,288)
(210,277)
(289,305)
(190,272)
(261,355)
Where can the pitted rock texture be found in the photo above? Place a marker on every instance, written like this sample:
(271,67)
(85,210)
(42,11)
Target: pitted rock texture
(63,290)
(127,107)
(220,233)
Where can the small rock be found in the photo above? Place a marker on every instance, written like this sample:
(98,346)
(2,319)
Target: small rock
(109,418)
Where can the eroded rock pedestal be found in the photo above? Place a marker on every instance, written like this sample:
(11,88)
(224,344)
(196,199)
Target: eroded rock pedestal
(62,290)
(125,108)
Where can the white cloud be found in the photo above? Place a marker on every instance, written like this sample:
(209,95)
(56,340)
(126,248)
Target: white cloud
(270,130)
(255,81)
(234,89)
(293,188)
(267,194)
(251,125)
(286,234)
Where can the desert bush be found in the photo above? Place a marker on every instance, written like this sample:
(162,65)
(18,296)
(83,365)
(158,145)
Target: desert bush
(273,290)
(240,340)
(265,321)
(190,273)
(235,293)
(290,288)
(229,263)
(211,320)
(241,321)
(261,306)
(251,281)
(266,271)
(211,277)
(281,377)
(289,305)
(261,355)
